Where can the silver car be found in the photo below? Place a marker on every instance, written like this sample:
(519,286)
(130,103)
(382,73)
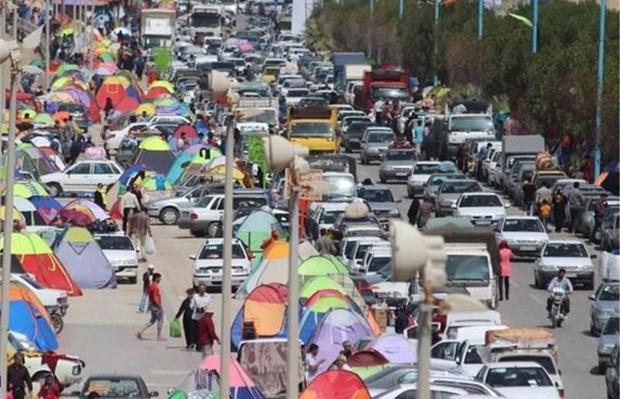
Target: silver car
(606,342)
(433,183)
(603,304)
(375,143)
(380,201)
(449,191)
(168,210)
(396,164)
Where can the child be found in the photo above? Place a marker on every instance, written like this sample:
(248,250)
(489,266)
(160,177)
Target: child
(544,212)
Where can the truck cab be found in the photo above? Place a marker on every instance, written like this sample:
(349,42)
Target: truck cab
(314,128)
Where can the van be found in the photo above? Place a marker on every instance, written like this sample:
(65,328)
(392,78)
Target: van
(469,266)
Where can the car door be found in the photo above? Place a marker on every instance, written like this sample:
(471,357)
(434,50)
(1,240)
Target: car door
(77,177)
(104,174)
(446,349)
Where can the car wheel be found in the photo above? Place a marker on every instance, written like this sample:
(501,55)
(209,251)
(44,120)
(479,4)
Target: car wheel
(133,280)
(197,233)
(593,331)
(57,322)
(215,230)
(602,368)
(382,179)
(536,281)
(55,189)
(169,216)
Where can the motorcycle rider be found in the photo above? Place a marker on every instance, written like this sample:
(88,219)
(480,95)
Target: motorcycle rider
(560,281)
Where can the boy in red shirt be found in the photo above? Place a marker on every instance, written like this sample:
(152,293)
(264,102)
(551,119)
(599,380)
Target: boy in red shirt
(155,305)
(206,335)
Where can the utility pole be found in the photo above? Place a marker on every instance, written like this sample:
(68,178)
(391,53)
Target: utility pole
(534,26)
(47,41)
(600,75)
(401,8)
(480,18)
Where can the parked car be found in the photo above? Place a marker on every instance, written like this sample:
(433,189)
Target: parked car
(612,376)
(604,303)
(610,232)
(116,386)
(482,209)
(608,339)
(571,255)
(586,221)
(121,253)
(396,164)
(525,235)
(168,210)
(209,263)
(113,138)
(82,176)
(375,143)
(410,391)
(519,379)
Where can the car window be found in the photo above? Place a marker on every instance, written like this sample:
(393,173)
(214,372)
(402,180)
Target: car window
(609,293)
(382,195)
(113,388)
(378,262)
(459,187)
(204,202)
(115,243)
(476,201)
(400,156)
(472,356)
(612,326)
(527,225)
(518,377)
(80,169)
(425,169)
(544,361)
(214,251)
(445,350)
(380,137)
(569,250)
(408,377)
(251,202)
(102,169)
(329,217)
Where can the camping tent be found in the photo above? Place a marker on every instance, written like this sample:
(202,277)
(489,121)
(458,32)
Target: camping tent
(47,207)
(265,307)
(337,326)
(84,259)
(154,153)
(37,258)
(28,317)
(367,362)
(318,284)
(396,348)
(241,386)
(340,384)
(256,228)
(313,314)
(322,265)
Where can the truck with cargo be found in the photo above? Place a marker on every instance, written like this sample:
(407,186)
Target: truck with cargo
(518,148)
(205,20)
(157,27)
(341,61)
(314,128)
(470,119)
(257,115)
(383,83)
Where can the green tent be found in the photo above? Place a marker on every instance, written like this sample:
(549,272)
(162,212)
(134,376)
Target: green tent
(327,303)
(256,228)
(319,284)
(322,265)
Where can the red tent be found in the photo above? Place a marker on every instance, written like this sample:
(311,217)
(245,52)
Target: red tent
(366,358)
(155,93)
(337,384)
(114,91)
(127,104)
(188,129)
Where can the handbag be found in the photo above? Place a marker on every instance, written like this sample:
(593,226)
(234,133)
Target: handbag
(175,329)
(149,245)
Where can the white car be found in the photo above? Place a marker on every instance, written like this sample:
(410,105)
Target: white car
(82,176)
(294,96)
(169,119)
(481,208)
(113,138)
(525,235)
(519,380)
(571,255)
(121,253)
(326,213)
(420,173)
(51,299)
(67,370)
(410,391)
(209,262)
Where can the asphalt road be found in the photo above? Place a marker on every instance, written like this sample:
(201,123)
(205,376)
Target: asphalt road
(100,326)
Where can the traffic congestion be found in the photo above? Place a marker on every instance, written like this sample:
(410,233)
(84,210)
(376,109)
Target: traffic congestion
(429,242)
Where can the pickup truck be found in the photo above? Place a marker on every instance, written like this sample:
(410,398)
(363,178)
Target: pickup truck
(205,217)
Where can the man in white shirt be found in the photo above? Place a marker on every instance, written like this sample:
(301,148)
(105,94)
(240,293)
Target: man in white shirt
(312,362)
(130,205)
(201,302)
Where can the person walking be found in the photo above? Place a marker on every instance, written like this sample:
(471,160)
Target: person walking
(200,303)
(529,196)
(139,227)
(99,196)
(185,310)
(325,245)
(130,204)
(544,212)
(542,194)
(157,310)
(147,277)
(412,213)
(599,212)
(505,256)
(559,210)
(576,203)
(206,335)
(426,211)
(18,378)
(49,389)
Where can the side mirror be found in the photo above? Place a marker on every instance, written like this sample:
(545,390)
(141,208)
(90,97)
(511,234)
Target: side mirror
(591,297)
(192,257)
(593,256)
(506,205)
(453,206)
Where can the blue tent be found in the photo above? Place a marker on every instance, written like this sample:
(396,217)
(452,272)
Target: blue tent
(177,168)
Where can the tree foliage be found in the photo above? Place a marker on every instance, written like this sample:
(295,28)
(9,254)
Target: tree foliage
(552,92)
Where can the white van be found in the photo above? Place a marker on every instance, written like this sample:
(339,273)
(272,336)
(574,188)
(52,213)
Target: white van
(469,266)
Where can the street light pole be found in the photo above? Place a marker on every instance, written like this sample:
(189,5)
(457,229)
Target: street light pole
(47,41)
(292,355)
(227,255)
(401,8)
(435,34)
(600,75)
(480,18)
(8,232)
(534,26)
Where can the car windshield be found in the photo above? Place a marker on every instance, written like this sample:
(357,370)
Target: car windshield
(380,137)
(467,267)
(389,93)
(312,129)
(297,93)
(113,388)
(362,248)
(32,282)
(459,187)
(400,156)
(118,243)
(214,251)
(544,361)
(471,123)
(329,217)
(425,169)
(341,186)
(378,262)
(527,225)
(575,250)
(612,327)
(480,201)
(264,116)
(379,195)
(610,293)
(518,377)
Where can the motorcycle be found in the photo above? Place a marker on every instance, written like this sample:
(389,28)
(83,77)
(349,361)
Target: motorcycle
(558,296)
(57,322)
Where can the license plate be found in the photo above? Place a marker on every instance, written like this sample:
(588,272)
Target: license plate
(528,248)
(401,174)
(482,221)
(571,274)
